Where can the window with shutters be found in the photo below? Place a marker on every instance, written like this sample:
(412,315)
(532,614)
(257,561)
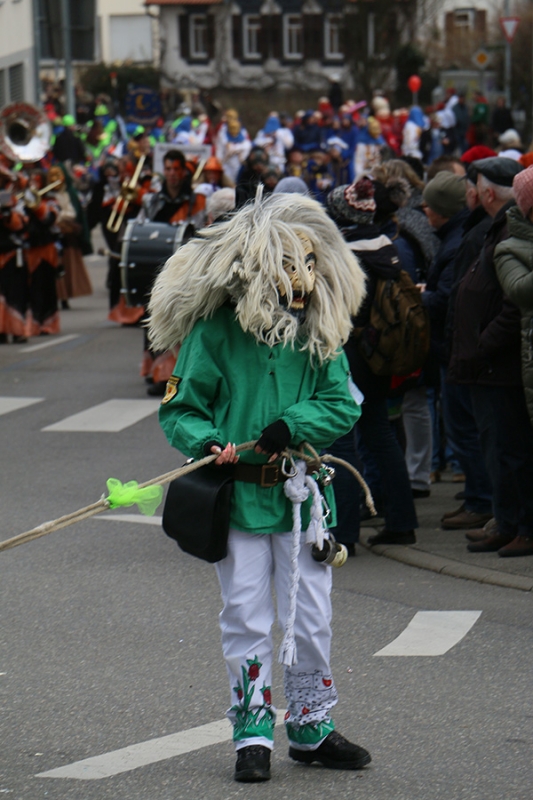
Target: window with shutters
(16,83)
(332,36)
(2,88)
(251,31)
(292,36)
(198,36)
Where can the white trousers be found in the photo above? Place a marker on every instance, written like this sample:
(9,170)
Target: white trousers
(246,622)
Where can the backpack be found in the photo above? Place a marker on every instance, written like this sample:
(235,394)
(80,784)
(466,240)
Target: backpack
(396,339)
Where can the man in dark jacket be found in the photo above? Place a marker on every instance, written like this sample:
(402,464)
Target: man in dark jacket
(486,356)
(459,417)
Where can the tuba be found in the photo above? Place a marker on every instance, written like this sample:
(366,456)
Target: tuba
(25,132)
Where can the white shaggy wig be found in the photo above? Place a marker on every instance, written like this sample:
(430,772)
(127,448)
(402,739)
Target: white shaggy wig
(241,260)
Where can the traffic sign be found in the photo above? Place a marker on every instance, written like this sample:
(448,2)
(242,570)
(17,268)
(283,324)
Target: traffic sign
(481,59)
(509,26)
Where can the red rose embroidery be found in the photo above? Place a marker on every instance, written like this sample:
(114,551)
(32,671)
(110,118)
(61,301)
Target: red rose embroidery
(253,672)
(327,681)
(267,696)
(305,710)
(287,715)
(239,694)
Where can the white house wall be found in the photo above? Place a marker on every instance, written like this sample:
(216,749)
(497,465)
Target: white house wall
(16,47)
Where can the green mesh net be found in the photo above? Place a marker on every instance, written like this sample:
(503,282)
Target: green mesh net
(123,495)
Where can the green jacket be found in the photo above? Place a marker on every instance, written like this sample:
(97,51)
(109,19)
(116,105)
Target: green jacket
(230,387)
(513,260)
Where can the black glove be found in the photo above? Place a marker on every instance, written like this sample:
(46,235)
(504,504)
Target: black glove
(209,445)
(274,438)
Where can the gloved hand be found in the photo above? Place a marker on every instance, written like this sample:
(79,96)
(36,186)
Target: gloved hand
(274,439)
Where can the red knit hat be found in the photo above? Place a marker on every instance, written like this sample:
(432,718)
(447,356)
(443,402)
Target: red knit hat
(523,190)
(477,152)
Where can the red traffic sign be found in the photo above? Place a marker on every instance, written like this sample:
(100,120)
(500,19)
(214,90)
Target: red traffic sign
(509,26)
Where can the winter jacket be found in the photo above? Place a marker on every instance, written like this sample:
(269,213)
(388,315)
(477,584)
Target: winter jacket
(229,387)
(513,260)
(475,230)
(440,280)
(486,337)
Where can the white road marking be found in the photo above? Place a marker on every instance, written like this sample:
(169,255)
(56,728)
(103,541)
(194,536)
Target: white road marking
(139,755)
(8,404)
(431,633)
(50,342)
(111,416)
(132,518)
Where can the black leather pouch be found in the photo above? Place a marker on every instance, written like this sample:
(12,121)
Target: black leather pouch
(197,512)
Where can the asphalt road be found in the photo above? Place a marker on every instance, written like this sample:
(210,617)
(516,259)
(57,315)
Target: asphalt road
(109,636)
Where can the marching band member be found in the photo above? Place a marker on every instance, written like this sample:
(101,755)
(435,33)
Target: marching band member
(13,283)
(41,257)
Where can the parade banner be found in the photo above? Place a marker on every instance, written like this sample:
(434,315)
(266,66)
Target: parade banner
(143,105)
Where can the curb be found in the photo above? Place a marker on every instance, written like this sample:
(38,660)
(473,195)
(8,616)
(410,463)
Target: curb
(447,566)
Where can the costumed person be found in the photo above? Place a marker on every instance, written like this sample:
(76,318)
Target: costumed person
(75,239)
(261,304)
(275,140)
(41,257)
(175,203)
(369,148)
(232,146)
(13,275)
(413,129)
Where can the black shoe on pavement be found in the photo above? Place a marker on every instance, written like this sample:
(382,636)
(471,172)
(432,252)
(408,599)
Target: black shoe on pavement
(520,546)
(392,537)
(335,752)
(417,493)
(253,764)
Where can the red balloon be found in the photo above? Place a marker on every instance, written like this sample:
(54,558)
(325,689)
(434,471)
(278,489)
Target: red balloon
(414,83)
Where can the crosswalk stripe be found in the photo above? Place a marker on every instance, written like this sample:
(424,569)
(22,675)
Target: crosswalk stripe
(110,417)
(138,518)
(431,633)
(144,753)
(51,342)
(8,404)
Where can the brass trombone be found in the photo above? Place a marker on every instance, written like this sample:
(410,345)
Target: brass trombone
(38,193)
(126,195)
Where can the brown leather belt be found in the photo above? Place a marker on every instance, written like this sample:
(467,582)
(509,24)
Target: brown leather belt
(265,475)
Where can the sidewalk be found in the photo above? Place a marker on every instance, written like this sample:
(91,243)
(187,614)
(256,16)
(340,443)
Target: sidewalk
(445,551)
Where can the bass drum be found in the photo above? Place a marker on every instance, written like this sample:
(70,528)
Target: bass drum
(145,249)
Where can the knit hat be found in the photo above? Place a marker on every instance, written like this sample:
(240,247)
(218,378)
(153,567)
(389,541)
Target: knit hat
(477,152)
(354,202)
(523,190)
(510,138)
(445,194)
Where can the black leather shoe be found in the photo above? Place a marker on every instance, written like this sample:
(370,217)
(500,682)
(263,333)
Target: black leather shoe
(253,764)
(392,537)
(335,752)
(419,493)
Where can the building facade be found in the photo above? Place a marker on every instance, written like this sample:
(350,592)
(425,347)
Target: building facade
(261,44)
